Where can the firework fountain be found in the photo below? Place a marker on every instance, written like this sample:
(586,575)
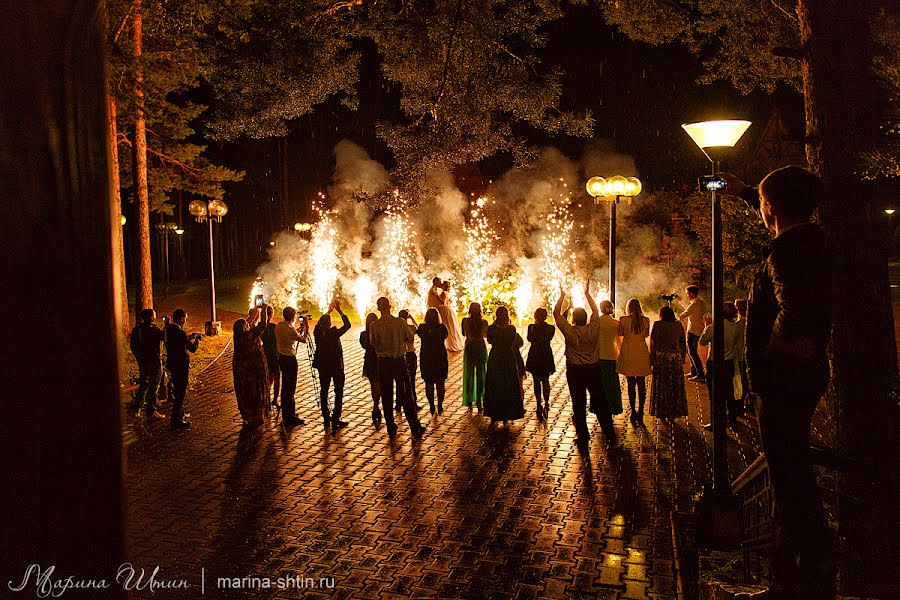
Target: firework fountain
(515,247)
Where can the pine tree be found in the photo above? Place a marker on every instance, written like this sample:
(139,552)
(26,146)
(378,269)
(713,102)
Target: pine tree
(167,70)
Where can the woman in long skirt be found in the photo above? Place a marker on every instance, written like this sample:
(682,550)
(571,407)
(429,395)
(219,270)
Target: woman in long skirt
(503,391)
(634,356)
(608,350)
(249,368)
(433,358)
(540,361)
(668,399)
(474,328)
(370,369)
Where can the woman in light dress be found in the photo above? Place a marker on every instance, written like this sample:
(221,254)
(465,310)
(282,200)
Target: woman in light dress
(634,356)
(439,298)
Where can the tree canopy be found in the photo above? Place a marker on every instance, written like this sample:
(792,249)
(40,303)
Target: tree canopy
(463,79)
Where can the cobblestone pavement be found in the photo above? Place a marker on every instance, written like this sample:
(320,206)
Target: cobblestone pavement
(464,512)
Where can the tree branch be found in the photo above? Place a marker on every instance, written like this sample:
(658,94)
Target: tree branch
(193,171)
(448,55)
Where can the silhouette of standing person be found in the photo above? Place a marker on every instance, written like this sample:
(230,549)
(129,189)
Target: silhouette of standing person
(788,326)
(389,335)
(329,360)
(540,362)
(370,368)
(502,389)
(433,358)
(474,328)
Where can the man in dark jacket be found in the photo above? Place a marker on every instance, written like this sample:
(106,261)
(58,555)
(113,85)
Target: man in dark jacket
(144,342)
(179,347)
(788,325)
(329,360)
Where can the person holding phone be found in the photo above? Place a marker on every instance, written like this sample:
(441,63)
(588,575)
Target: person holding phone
(412,363)
(249,367)
(179,347)
(329,360)
(287,336)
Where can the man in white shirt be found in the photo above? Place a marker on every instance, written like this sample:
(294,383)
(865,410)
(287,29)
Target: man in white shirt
(694,314)
(732,334)
(582,367)
(390,336)
(286,338)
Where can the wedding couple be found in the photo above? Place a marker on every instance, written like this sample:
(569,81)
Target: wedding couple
(439,299)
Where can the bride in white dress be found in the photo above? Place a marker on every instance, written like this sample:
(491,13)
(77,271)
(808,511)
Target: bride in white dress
(439,298)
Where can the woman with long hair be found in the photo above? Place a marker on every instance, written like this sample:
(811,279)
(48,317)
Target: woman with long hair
(668,400)
(503,389)
(249,368)
(474,328)
(634,356)
(370,369)
(433,364)
(540,361)
(448,317)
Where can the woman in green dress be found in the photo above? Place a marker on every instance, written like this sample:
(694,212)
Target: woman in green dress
(503,389)
(474,328)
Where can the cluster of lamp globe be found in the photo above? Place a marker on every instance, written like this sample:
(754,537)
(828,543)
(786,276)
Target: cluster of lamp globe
(214,209)
(614,187)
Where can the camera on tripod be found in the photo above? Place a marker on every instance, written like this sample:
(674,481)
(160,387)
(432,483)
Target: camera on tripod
(304,316)
(668,298)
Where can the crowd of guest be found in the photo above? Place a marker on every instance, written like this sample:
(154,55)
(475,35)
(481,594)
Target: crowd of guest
(599,350)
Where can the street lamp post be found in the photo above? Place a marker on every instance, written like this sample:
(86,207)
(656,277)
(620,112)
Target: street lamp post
(612,190)
(210,211)
(715,139)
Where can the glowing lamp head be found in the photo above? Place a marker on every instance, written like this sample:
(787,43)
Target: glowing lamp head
(179,231)
(198,209)
(716,137)
(298,226)
(124,220)
(634,187)
(596,187)
(217,209)
(306,226)
(887,211)
(617,186)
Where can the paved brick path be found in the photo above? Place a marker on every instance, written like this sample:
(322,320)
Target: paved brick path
(464,512)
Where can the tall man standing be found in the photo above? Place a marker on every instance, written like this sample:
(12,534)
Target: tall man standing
(179,347)
(583,367)
(144,342)
(694,314)
(287,336)
(390,335)
(788,325)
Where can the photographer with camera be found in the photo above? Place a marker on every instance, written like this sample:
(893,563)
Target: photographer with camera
(693,314)
(179,347)
(329,360)
(144,342)
(286,338)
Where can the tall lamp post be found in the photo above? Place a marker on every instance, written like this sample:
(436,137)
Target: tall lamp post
(612,190)
(716,139)
(210,211)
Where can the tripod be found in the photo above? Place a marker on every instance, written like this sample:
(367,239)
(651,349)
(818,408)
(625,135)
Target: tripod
(310,354)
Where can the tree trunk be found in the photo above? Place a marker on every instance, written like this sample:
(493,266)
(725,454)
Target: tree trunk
(120,288)
(144,279)
(285,201)
(62,467)
(843,112)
